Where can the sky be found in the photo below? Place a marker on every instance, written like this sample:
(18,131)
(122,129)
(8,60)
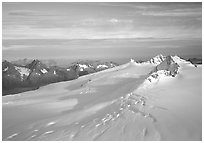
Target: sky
(100,30)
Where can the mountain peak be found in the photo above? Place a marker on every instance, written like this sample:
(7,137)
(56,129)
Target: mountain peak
(36,64)
(6,64)
(36,61)
(159,55)
(169,65)
(157,59)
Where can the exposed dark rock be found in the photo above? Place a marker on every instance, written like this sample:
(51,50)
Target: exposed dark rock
(169,65)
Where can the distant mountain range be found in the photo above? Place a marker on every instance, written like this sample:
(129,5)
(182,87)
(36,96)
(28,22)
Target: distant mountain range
(159,58)
(24,75)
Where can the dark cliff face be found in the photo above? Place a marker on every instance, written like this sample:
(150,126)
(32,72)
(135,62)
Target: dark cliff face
(12,78)
(169,65)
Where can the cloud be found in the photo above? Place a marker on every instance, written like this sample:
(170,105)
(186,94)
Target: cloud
(29,13)
(97,32)
(199,18)
(114,20)
(120,21)
(88,28)
(75,21)
(23,13)
(29,32)
(175,12)
(164,46)
(133,5)
(15,47)
(102,21)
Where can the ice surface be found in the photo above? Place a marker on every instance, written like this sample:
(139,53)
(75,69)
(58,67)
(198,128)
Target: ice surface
(114,104)
(180,98)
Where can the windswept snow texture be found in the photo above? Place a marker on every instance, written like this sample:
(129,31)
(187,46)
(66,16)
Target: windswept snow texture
(120,103)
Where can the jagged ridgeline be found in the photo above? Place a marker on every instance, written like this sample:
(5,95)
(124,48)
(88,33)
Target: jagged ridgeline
(30,75)
(18,78)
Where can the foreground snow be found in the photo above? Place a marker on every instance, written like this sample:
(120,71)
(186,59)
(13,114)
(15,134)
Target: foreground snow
(177,103)
(115,104)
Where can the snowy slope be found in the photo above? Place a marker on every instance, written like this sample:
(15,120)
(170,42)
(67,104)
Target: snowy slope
(177,103)
(114,104)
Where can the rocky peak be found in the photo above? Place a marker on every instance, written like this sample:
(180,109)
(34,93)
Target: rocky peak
(36,64)
(168,65)
(157,59)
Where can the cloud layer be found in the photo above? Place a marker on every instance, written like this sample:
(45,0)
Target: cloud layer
(101,20)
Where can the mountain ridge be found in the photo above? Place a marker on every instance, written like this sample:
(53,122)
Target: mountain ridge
(36,74)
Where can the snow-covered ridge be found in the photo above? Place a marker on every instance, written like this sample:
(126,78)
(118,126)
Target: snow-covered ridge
(102,66)
(83,66)
(157,59)
(160,58)
(98,66)
(179,60)
(168,68)
(153,61)
(156,77)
